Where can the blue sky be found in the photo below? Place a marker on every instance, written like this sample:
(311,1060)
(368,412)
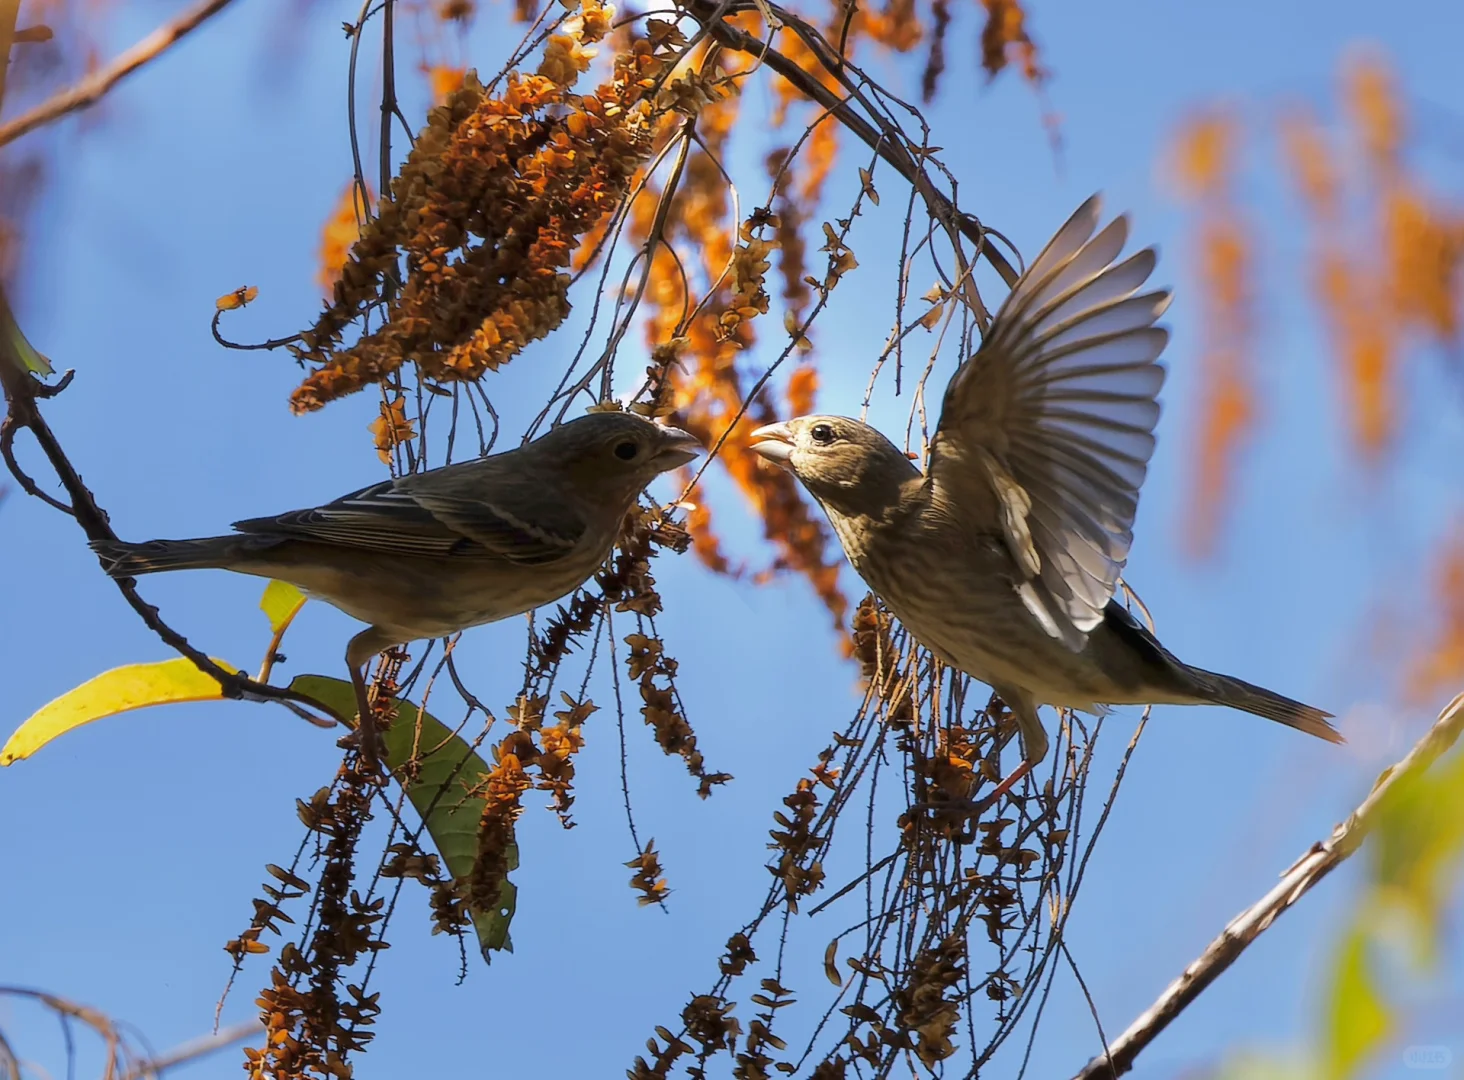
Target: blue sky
(136,844)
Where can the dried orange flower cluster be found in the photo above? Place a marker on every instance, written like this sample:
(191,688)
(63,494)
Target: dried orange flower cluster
(795,839)
(1005,36)
(547,750)
(312,1029)
(649,879)
(486,212)
(629,585)
(923,1010)
(391,428)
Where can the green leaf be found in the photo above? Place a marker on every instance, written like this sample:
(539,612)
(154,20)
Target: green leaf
(117,691)
(1248,1064)
(13,342)
(1358,1019)
(1416,849)
(444,772)
(280,603)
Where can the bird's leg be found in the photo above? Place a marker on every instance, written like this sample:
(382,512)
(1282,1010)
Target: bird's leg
(359,652)
(1033,738)
(365,733)
(1006,785)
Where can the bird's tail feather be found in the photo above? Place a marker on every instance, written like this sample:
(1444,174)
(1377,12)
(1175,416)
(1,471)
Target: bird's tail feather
(1239,694)
(122,559)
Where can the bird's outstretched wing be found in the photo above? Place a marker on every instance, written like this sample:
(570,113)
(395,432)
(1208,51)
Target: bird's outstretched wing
(1049,427)
(488,507)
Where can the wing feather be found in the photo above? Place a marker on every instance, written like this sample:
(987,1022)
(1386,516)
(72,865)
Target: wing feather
(1059,405)
(488,508)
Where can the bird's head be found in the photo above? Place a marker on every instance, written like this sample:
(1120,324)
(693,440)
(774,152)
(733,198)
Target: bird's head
(614,455)
(848,466)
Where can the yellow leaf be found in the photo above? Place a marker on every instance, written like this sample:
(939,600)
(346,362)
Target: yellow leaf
(237,299)
(1357,1019)
(117,691)
(281,602)
(12,341)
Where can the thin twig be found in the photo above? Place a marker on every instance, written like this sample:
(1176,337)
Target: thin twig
(892,150)
(21,391)
(1317,863)
(194,1049)
(95,86)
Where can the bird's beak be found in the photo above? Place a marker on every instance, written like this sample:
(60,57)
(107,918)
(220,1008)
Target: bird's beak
(774,443)
(677,448)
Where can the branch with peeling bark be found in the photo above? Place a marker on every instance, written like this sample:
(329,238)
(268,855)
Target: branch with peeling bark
(1323,857)
(95,86)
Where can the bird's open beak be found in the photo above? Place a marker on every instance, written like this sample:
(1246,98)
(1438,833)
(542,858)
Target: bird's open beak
(677,448)
(774,443)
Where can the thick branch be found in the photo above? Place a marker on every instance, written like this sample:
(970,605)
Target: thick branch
(95,86)
(1316,864)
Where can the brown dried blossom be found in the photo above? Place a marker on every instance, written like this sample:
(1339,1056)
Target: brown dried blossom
(923,1009)
(504,787)
(649,878)
(312,1029)
(486,212)
(796,840)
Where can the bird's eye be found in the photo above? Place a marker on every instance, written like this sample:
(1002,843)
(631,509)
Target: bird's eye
(823,434)
(627,450)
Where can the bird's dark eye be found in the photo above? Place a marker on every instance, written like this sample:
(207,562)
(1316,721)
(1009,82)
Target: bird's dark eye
(627,450)
(823,434)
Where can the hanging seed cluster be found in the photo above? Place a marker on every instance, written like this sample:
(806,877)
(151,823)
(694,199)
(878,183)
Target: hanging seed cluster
(486,214)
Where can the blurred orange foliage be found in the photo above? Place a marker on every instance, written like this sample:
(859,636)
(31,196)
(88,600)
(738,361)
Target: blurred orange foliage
(1441,668)
(1389,274)
(444,80)
(1204,163)
(1387,266)
(705,287)
(1004,36)
(342,230)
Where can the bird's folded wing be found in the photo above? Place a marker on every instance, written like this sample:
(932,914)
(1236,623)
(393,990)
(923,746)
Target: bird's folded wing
(1049,426)
(476,508)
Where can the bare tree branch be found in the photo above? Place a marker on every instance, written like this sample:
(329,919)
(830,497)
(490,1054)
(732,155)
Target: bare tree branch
(196,1048)
(22,390)
(95,86)
(1316,864)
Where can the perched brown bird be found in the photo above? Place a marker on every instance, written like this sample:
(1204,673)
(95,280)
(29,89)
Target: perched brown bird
(430,554)
(1003,558)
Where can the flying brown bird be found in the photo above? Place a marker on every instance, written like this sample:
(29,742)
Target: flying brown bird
(427,555)
(1003,558)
